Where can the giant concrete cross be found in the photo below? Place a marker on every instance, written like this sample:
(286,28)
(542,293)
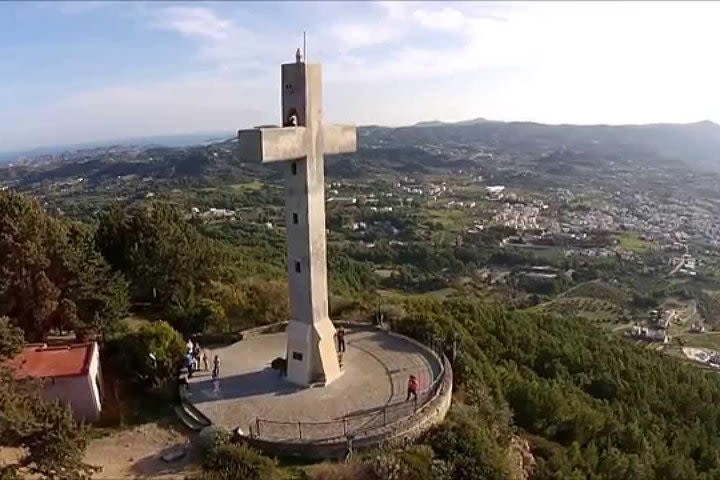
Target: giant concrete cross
(301,143)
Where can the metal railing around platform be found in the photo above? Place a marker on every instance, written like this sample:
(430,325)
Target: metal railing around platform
(356,425)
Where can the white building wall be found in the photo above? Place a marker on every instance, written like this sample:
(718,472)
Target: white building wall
(80,392)
(95,381)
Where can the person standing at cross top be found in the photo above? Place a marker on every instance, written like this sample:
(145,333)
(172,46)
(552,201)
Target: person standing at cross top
(341,339)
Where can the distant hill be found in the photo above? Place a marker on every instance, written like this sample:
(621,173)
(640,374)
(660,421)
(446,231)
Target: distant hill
(695,144)
(431,123)
(555,152)
(438,123)
(183,140)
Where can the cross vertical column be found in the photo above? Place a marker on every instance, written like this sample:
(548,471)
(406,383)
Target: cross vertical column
(311,354)
(302,142)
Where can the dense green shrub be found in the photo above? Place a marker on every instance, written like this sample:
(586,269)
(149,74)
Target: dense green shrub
(211,316)
(53,276)
(209,438)
(472,446)
(354,470)
(595,407)
(229,461)
(9,472)
(165,258)
(129,354)
(413,463)
(11,339)
(197,315)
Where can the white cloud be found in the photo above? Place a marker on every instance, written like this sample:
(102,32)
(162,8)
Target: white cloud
(395,10)
(447,19)
(194,21)
(641,45)
(236,43)
(356,35)
(400,62)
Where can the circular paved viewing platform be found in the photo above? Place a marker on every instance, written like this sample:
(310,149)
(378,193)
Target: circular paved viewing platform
(369,394)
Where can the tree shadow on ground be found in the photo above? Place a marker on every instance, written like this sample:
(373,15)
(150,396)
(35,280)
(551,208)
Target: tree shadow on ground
(126,405)
(154,465)
(262,382)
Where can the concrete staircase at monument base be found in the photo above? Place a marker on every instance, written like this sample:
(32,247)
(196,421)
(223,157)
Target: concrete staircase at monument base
(191,416)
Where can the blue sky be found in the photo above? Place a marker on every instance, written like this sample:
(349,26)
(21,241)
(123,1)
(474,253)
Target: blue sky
(73,72)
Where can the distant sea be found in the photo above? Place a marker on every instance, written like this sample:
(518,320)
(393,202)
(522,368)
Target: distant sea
(158,141)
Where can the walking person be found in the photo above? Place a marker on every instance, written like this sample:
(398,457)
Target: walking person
(196,356)
(412,388)
(189,361)
(341,339)
(205,361)
(216,368)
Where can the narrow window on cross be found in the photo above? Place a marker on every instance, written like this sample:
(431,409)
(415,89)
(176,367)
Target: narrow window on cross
(297,267)
(293,166)
(295,218)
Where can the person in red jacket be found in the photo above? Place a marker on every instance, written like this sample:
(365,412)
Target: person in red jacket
(412,388)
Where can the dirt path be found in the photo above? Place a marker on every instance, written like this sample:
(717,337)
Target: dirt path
(136,452)
(133,454)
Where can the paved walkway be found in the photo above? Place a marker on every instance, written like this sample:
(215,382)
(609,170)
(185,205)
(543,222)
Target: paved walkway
(375,372)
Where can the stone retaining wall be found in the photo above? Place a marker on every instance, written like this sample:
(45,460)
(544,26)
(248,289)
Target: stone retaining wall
(430,415)
(263,329)
(398,433)
(395,434)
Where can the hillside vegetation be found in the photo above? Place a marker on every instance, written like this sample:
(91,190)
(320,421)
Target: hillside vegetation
(601,291)
(515,287)
(593,407)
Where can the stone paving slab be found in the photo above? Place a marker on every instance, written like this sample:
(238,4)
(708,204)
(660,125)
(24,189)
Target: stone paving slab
(375,373)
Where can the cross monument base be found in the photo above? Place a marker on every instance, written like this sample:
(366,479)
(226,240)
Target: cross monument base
(311,354)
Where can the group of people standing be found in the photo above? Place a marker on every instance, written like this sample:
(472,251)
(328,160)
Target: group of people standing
(196,356)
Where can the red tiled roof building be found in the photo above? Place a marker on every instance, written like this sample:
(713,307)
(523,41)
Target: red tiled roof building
(70,373)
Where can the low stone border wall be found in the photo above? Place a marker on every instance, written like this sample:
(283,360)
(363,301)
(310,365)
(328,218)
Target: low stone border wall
(405,430)
(398,433)
(263,329)
(216,339)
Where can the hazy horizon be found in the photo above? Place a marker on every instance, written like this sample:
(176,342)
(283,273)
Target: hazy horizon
(93,72)
(144,139)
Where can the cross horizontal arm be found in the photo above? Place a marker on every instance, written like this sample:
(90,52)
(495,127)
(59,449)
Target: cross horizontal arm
(339,139)
(266,145)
